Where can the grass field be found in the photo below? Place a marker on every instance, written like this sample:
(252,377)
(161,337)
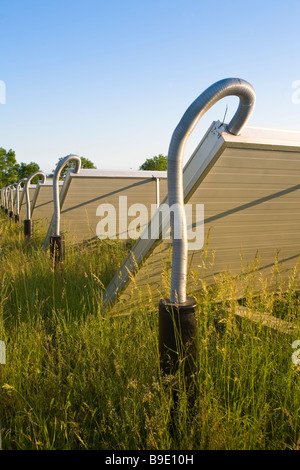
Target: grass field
(79,377)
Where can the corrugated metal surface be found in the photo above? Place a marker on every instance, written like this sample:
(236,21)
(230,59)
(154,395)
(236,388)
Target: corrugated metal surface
(87,190)
(42,203)
(23,206)
(252,205)
(251,198)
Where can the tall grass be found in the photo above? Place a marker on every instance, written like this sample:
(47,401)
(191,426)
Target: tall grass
(81,377)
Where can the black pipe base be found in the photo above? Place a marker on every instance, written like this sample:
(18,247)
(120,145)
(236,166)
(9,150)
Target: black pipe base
(28,228)
(6,211)
(17,218)
(177,337)
(11,214)
(57,248)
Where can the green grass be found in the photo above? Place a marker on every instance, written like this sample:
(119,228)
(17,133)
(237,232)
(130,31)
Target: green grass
(78,377)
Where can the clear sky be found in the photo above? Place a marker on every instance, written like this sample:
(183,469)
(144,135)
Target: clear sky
(109,80)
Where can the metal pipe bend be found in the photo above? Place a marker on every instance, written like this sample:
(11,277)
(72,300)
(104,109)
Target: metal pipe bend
(5,189)
(11,196)
(6,196)
(56,175)
(26,189)
(18,195)
(226,87)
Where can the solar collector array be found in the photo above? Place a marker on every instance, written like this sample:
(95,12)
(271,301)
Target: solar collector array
(82,194)
(42,202)
(250,189)
(23,204)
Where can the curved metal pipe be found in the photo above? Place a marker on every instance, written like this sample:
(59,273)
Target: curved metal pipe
(56,175)
(18,195)
(6,198)
(11,197)
(26,189)
(229,86)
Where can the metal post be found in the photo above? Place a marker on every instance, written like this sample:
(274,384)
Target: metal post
(57,248)
(177,337)
(157,181)
(28,228)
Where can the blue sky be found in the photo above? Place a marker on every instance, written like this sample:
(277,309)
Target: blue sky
(109,80)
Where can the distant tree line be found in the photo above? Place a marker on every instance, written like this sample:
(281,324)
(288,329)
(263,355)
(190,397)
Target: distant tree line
(11,171)
(156,163)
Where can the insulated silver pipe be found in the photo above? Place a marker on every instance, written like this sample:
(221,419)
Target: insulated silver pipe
(6,197)
(18,195)
(229,86)
(57,172)
(26,189)
(11,196)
